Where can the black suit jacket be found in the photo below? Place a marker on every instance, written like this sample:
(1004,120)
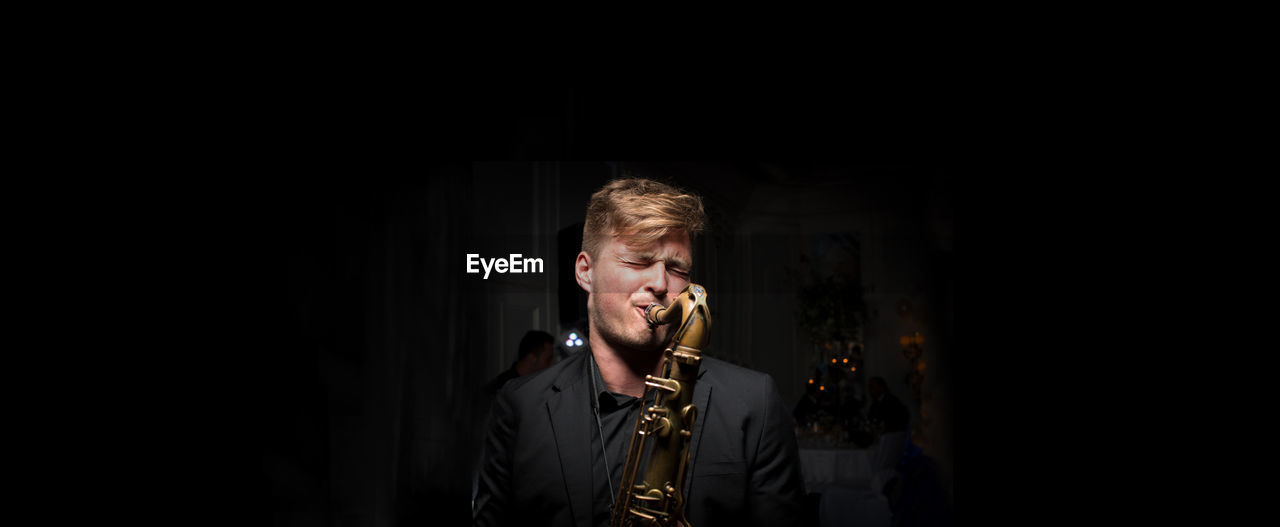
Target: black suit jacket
(537,454)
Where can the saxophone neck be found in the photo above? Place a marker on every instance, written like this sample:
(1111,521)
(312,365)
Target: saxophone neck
(680,309)
(692,316)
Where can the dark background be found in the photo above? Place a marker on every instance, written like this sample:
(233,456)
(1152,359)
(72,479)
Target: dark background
(350,345)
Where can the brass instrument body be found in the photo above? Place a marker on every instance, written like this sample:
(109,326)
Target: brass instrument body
(668,423)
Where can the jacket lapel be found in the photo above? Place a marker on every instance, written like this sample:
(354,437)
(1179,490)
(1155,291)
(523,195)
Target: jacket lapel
(569,411)
(701,398)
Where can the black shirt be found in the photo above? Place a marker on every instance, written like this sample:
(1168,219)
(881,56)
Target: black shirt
(617,419)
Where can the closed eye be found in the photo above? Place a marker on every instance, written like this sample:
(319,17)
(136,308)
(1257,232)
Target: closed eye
(641,265)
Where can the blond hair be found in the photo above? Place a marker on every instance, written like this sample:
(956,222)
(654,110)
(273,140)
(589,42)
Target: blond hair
(642,210)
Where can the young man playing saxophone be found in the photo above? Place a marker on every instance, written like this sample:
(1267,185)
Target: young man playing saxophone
(555,452)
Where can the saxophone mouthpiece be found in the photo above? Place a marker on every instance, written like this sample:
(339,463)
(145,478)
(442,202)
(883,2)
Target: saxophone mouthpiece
(650,316)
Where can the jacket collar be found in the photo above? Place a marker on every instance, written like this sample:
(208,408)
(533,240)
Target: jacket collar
(568,409)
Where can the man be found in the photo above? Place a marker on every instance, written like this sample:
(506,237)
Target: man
(813,402)
(886,411)
(550,461)
(536,352)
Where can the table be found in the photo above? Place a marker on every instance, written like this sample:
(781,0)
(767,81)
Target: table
(843,477)
(823,467)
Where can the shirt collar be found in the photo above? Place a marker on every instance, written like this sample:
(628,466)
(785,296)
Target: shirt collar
(603,395)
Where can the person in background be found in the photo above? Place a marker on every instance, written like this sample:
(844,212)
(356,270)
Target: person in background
(887,413)
(537,350)
(813,401)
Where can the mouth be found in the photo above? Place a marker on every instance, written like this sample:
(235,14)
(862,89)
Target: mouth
(645,321)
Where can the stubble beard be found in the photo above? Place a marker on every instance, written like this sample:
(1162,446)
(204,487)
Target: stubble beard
(624,334)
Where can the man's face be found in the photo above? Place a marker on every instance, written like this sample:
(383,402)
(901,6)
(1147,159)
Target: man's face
(546,355)
(624,279)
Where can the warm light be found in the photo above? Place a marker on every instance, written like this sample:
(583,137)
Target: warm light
(810,381)
(846,361)
(920,366)
(833,361)
(919,339)
(822,388)
(905,341)
(853,369)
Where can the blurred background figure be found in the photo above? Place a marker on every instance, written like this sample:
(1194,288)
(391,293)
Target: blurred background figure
(814,402)
(887,413)
(537,351)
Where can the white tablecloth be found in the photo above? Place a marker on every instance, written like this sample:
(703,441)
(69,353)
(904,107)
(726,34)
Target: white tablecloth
(823,467)
(843,477)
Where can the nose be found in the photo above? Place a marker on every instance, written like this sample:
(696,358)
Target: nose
(656,280)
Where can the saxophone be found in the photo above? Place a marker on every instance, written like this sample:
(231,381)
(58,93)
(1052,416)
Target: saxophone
(659,499)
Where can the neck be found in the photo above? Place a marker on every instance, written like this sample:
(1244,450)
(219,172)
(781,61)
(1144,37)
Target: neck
(522,368)
(624,370)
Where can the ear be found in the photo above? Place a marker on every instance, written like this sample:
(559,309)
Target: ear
(582,271)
